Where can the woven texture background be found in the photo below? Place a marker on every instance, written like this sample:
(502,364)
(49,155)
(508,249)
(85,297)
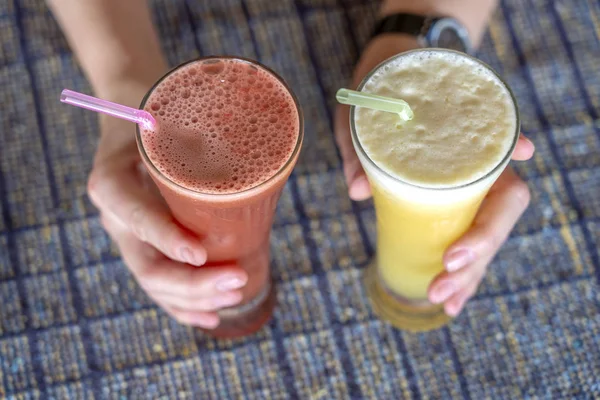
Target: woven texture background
(74,324)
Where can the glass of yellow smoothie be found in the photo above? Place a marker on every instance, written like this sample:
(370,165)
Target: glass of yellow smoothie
(428,175)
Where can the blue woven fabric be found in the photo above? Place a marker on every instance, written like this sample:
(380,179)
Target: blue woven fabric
(75,325)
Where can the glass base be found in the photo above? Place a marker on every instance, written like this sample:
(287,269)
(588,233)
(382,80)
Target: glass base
(246,319)
(405,314)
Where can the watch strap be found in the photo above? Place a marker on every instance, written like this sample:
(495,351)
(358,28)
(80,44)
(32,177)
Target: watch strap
(411,24)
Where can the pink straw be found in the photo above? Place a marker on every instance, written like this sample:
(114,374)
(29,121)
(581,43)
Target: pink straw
(77,99)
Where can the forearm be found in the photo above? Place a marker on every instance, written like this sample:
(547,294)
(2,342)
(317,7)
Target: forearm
(115,43)
(474,14)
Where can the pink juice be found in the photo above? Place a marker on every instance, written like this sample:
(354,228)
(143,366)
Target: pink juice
(228,136)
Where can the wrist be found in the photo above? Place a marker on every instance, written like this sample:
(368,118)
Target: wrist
(393,42)
(381,48)
(116,133)
(472,14)
(126,91)
(425,7)
(388,44)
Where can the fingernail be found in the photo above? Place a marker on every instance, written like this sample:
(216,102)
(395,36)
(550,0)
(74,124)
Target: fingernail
(230,284)
(442,293)
(206,321)
(226,300)
(454,309)
(359,186)
(528,140)
(453,312)
(187,256)
(458,259)
(361,181)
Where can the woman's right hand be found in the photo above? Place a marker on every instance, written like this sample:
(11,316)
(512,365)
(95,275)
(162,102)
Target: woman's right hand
(166,259)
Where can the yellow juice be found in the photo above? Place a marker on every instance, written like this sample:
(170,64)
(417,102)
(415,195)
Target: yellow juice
(412,239)
(428,175)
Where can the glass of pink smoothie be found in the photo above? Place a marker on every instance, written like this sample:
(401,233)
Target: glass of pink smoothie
(228,135)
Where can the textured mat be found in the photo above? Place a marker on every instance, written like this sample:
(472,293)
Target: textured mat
(74,324)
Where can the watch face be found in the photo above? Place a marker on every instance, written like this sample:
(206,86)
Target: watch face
(449,39)
(448,33)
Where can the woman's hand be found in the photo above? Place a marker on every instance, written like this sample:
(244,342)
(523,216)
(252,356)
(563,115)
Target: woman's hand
(164,257)
(466,260)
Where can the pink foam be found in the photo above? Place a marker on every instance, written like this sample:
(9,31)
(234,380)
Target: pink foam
(223,126)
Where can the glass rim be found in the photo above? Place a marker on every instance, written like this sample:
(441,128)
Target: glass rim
(223,196)
(504,161)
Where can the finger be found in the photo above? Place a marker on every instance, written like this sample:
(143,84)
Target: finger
(502,208)
(160,275)
(524,149)
(118,191)
(207,320)
(456,303)
(378,50)
(156,280)
(175,279)
(358,186)
(448,284)
(222,300)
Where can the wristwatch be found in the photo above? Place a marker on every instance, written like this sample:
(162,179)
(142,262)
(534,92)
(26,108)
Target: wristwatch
(430,31)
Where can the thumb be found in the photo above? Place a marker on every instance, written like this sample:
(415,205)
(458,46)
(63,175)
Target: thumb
(376,51)
(358,185)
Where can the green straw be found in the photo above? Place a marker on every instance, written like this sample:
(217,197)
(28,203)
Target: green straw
(381,103)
